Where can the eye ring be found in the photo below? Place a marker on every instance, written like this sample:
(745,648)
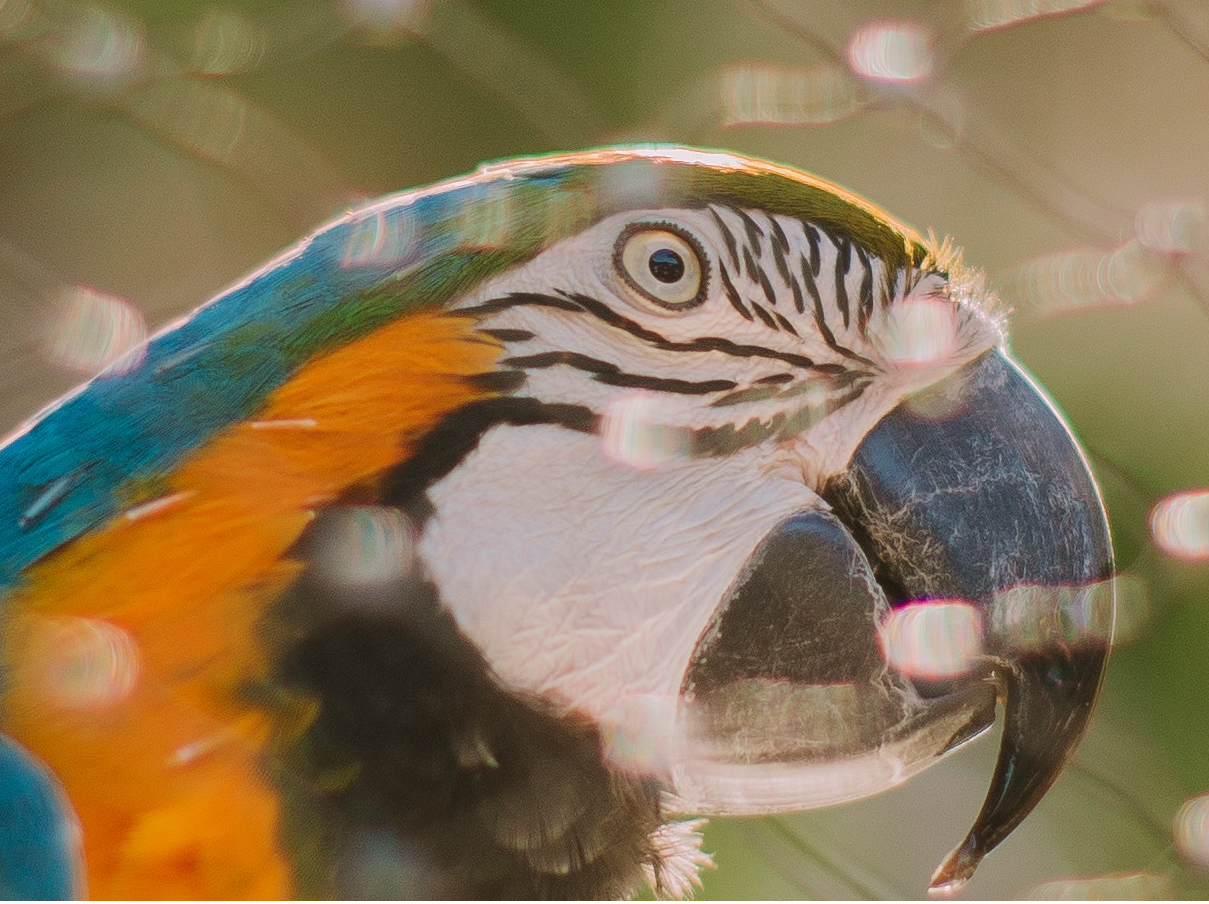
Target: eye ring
(664,263)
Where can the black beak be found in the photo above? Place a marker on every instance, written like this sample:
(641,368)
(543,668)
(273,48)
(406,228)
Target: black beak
(975,491)
(970,497)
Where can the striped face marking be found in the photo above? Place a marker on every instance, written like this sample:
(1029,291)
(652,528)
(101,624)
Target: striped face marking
(732,336)
(743,327)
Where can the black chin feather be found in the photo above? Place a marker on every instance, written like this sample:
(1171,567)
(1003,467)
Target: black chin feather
(421,777)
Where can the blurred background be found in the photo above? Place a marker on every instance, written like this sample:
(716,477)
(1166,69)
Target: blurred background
(154,151)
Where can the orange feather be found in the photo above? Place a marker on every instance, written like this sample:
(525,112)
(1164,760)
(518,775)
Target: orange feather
(125,651)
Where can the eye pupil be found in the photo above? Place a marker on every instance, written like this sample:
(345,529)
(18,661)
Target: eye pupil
(666,266)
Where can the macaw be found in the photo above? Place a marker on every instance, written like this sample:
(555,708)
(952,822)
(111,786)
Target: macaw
(480,541)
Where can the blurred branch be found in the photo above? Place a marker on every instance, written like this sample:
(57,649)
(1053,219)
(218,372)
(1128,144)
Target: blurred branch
(504,65)
(975,134)
(1191,27)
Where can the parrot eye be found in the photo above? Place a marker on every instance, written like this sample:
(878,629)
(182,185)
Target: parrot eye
(662,263)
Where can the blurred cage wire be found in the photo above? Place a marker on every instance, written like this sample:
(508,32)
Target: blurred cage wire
(153,151)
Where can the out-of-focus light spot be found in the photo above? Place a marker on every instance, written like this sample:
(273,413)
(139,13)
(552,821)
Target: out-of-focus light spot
(921,331)
(198,116)
(373,859)
(1111,887)
(1172,228)
(1087,278)
(226,41)
(560,207)
(932,640)
(941,401)
(48,496)
(158,506)
(556,210)
(1192,831)
(364,548)
(473,752)
(84,664)
(97,47)
(616,185)
(1039,617)
(94,331)
(1129,274)
(190,753)
(767,719)
(813,400)
(296,423)
(895,52)
(382,239)
(639,732)
(487,219)
(1134,608)
(633,435)
(382,21)
(986,15)
(761,94)
(1179,525)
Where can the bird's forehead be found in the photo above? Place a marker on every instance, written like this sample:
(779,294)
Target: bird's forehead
(612,181)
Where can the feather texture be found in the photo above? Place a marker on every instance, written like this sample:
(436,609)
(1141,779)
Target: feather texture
(163,605)
(151,524)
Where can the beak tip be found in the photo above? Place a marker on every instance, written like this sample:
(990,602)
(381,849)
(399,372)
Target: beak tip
(956,870)
(1020,532)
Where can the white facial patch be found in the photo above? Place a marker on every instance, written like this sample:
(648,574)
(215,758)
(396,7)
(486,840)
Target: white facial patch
(589,582)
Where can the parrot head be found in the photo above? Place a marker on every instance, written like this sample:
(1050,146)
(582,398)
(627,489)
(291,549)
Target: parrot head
(469,544)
